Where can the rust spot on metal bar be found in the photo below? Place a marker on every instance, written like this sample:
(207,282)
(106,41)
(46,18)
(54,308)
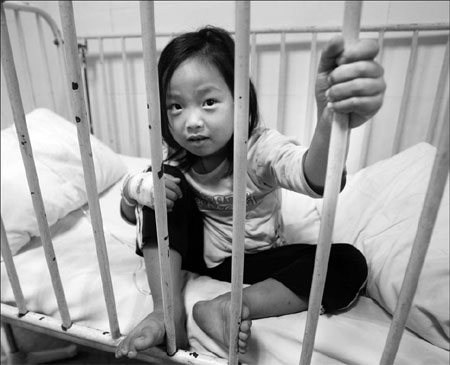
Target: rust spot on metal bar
(64,328)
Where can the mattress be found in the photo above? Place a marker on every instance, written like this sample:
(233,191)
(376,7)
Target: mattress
(354,336)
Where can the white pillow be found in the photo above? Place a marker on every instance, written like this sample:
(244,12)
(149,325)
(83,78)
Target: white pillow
(378,212)
(57,157)
(300,217)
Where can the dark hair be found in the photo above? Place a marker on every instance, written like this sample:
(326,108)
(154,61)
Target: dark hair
(215,46)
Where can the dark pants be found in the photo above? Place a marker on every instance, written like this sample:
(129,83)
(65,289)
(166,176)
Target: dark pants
(292,264)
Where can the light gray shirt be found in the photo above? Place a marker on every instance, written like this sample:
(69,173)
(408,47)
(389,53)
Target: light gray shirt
(274,162)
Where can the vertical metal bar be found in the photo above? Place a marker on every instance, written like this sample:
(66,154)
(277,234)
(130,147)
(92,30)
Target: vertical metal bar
(336,159)
(82,49)
(116,140)
(369,124)
(82,123)
(254,61)
(282,84)
(63,74)
(24,54)
(427,219)
(406,93)
(443,79)
(12,84)
(147,13)
(309,118)
(445,119)
(133,122)
(241,113)
(12,273)
(45,56)
(380,55)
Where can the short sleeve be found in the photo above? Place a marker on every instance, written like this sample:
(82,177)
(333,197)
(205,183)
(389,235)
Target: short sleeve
(277,161)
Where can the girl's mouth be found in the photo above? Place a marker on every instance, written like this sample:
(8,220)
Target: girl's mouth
(197,139)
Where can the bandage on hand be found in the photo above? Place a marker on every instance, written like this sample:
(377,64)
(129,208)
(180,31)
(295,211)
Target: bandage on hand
(140,188)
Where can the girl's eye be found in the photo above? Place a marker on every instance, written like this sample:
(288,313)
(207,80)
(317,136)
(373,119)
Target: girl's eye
(173,107)
(210,102)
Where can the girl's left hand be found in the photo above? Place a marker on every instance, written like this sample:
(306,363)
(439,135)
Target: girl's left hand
(350,81)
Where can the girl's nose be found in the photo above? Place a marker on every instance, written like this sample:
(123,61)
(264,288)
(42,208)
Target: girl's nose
(194,122)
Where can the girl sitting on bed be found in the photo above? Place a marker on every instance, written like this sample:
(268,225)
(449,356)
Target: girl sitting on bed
(196,76)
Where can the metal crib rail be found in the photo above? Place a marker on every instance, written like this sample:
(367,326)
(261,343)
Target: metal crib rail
(108,340)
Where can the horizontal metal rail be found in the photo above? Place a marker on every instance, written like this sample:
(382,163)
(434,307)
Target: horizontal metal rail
(305,29)
(100,340)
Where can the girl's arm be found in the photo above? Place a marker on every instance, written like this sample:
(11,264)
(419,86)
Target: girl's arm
(138,188)
(348,81)
(127,204)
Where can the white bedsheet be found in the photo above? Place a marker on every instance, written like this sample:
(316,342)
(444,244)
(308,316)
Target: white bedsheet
(356,336)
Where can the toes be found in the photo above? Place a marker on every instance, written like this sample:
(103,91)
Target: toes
(149,337)
(243,341)
(244,329)
(118,354)
(132,354)
(243,336)
(128,350)
(130,346)
(242,346)
(122,348)
(245,326)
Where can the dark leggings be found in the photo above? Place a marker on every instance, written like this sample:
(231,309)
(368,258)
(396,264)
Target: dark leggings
(292,264)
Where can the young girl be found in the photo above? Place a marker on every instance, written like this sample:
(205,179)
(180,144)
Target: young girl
(196,73)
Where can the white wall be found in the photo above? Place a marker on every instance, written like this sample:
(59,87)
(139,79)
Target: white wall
(97,17)
(117,17)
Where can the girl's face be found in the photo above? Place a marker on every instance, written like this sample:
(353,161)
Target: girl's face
(200,109)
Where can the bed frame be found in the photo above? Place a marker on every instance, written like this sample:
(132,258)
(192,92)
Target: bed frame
(75,75)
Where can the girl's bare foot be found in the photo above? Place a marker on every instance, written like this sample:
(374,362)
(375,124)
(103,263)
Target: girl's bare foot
(213,317)
(149,333)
